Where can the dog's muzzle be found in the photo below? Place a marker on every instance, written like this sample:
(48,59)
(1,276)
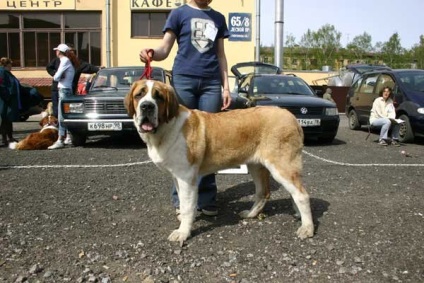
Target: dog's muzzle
(148,115)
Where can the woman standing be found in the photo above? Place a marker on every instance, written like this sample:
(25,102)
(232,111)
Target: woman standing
(9,100)
(64,76)
(200,72)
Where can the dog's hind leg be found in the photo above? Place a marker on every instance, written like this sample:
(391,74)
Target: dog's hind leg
(260,177)
(289,176)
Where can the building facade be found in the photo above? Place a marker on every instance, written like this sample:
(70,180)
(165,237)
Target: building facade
(105,32)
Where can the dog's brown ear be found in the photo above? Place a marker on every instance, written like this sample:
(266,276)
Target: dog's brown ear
(173,104)
(128,101)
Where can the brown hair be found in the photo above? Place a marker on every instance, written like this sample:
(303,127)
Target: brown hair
(73,58)
(4,61)
(384,88)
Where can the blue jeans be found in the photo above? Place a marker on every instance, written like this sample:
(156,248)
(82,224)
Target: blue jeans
(63,93)
(385,125)
(203,94)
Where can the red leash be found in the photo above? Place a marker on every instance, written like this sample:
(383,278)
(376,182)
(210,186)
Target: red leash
(148,68)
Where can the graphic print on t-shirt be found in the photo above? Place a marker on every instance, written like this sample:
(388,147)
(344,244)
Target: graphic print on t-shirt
(199,38)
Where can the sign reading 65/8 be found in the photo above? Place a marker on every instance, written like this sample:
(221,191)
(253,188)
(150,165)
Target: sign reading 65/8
(240,26)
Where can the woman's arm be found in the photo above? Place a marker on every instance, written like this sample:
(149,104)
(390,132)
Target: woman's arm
(162,51)
(64,65)
(223,67)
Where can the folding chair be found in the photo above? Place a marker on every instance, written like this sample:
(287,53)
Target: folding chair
(370,129)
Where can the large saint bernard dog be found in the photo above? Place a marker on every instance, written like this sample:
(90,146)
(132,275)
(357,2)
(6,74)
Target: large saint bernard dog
(192,143)
(45,137)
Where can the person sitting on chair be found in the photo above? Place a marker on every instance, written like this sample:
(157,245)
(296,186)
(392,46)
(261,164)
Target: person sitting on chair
(382,115)
(327,95)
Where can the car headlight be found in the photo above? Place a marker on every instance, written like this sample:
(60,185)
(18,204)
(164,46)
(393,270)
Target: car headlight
(420,110)
(73,107)
(331,111)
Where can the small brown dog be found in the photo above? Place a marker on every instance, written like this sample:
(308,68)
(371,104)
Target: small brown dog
(45,137)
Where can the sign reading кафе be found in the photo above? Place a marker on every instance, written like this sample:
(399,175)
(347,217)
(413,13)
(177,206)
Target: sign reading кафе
(37,4)
(156,4)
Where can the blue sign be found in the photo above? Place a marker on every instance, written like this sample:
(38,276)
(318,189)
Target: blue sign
(240,26)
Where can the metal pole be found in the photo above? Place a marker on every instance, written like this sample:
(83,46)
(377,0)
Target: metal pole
(279,33)
(258,31)
(108,52)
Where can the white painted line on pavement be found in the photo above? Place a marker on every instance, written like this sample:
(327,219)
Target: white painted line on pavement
(361,164)
(74,166)
(230,171)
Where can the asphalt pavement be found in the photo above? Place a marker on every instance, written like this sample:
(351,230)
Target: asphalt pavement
(102,213)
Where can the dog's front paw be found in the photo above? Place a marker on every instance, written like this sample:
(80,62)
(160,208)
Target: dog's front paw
(178,236)
(306,231)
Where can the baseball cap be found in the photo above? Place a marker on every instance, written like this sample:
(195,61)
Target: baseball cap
(62,47)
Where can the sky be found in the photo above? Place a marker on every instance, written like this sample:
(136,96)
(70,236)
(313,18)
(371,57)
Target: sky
(379,18)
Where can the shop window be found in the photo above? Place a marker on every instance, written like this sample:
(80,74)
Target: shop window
(40,32)
(8,21)
(9,47)
(147,24)
(82,20)
(41,20)
(87,45)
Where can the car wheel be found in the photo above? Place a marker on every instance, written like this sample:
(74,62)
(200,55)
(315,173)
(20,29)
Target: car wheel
(353,120)
(78,138)
(405,131)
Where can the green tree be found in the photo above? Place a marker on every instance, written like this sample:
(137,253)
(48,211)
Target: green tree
(360,45)
(289,48)
(323,44)
(417,53)
(306,42)
(392,51)
(328,42)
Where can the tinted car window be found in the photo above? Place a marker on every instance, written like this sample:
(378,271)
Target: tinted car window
(412,81)
(368,84)
(356,85)
(384,81)
(277,85)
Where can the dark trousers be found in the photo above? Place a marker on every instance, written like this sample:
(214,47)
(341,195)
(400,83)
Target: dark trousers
(55,101)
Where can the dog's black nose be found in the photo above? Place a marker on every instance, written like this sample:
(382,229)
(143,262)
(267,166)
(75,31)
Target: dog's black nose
(147,106)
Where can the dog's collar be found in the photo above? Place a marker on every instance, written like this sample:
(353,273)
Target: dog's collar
(47,126)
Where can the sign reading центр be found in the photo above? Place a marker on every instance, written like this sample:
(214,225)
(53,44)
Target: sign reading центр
(37,4)
(240,26)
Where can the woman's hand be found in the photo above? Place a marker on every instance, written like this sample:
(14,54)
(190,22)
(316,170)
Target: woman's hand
(226,99)
(146,54)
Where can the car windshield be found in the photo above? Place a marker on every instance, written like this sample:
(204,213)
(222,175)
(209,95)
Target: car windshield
(277,85)
(413,80)
(120,78)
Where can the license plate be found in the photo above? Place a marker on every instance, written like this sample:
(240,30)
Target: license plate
(309,122)
(112,126)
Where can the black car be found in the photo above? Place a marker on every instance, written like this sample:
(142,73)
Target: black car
(263,84)
(102,111)
(408,91)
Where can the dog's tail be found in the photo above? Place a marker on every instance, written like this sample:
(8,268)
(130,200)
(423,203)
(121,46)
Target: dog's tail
(49,110)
